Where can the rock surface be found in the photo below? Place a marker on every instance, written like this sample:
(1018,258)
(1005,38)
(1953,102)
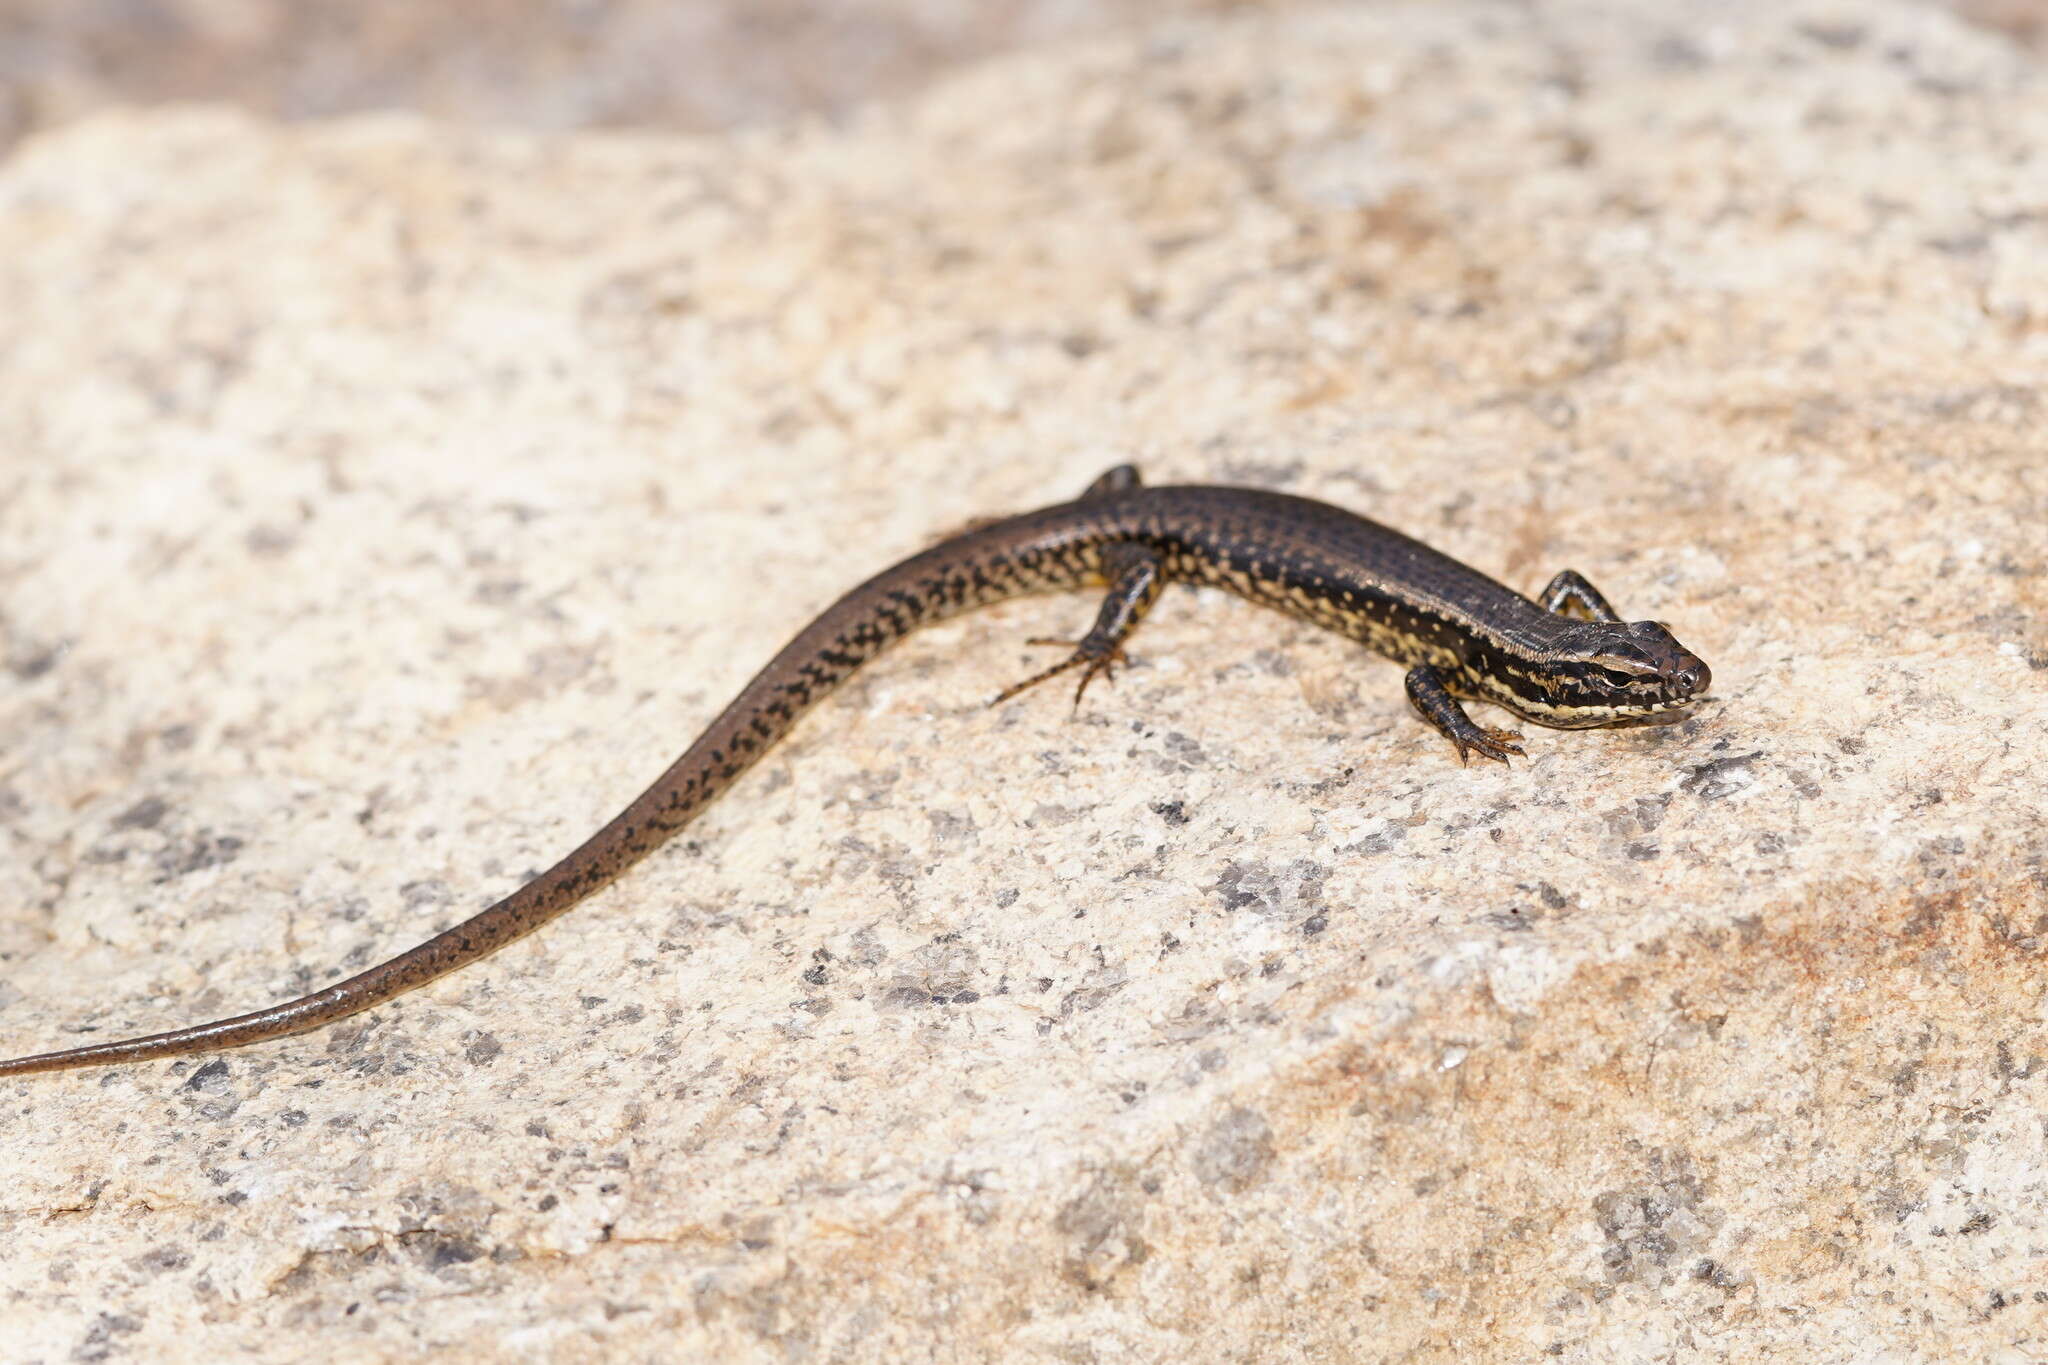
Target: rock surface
(381,505)
(555,64)
(550,64)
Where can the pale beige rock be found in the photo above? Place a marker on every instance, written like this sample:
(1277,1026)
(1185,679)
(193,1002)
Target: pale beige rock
(382,506)
(546,64)
(702,65)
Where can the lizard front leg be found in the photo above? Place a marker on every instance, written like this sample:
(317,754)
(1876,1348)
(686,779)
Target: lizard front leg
(1570,589)
(1427,691)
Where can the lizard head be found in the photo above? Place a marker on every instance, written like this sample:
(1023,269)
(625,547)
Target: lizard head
(1607,673)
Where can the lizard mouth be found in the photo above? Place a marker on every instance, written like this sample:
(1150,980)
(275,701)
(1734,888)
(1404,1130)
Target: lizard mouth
(1664,711)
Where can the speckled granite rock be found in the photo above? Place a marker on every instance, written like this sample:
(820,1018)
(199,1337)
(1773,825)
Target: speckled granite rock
(379,508)
(557,64)
(550,64)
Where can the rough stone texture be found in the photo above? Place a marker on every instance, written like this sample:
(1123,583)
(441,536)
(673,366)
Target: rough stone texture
(379,506)
(556,64)
(530,63)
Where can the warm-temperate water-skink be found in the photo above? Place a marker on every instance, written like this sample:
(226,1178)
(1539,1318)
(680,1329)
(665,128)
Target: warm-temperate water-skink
(1564,660)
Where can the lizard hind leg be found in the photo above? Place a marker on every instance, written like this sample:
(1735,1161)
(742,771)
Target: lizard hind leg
(1135,577)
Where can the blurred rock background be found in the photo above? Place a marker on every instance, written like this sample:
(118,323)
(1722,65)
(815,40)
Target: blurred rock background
(552,64)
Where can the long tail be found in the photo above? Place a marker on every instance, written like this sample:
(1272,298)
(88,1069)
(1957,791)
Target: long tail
(860,625)
(706,769)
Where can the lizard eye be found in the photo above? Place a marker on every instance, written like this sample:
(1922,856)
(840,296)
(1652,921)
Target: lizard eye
(1620,677)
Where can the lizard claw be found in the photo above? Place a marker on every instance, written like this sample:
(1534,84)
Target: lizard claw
(1489,743)
(1094,661)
